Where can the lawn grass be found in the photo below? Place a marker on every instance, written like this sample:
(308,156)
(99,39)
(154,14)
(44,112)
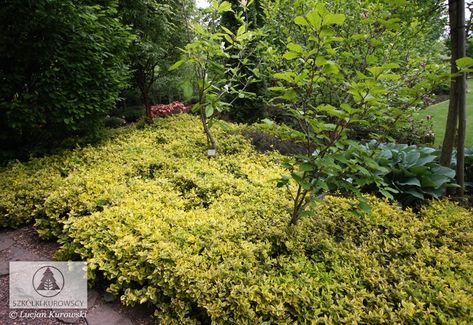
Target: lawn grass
(439,114)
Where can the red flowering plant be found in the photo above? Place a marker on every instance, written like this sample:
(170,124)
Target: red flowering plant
(163,110)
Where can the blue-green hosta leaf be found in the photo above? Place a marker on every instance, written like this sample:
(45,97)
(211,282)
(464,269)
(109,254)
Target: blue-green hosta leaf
(410,181)
(425,160)
(445,171)
(419,170)
(415,194)
(435,193)
(440,180)
(412,158)
(427,150)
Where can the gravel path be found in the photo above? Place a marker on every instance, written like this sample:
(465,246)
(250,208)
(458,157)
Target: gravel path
(24,245)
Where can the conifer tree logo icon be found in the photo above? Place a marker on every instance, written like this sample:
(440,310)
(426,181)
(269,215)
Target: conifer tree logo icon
(48,281)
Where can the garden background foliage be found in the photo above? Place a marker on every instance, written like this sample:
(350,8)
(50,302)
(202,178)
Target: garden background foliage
(207,239)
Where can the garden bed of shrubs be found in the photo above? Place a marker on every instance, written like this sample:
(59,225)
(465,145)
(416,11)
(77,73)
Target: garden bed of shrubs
(207,240)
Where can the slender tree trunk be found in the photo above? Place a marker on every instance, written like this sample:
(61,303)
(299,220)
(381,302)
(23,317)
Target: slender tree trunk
(456,120)
(147,104)
(461,30)
(210,138)
(452,117)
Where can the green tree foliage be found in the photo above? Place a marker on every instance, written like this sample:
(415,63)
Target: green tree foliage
(341,73)
(61,68)
(160,30)
(248,109)
(218,83)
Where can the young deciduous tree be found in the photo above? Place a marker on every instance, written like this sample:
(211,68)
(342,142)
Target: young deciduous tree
(347,68)
(208,55)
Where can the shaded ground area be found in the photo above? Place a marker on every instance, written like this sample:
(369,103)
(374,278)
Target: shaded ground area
(25,245)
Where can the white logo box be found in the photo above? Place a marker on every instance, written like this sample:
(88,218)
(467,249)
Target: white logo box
(48,285)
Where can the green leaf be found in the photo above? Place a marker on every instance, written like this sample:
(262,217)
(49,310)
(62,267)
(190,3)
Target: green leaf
(284,76)
(176,65)
(386,194)
(320,61)
(294,47)
(209,110)
(283,181)
(375,71)
(306,167)
(298,178)
(196,107)
(241,30)
(187,89)
(229,32)
(225,7)
(412,158)
(301,21)
(425,160)
(389,76)
(291,55)
(439,180)
(464,62)
(445,171)
(415,194)
(334,19)
(314,19)
(364,206)
(410,181)
(390,66)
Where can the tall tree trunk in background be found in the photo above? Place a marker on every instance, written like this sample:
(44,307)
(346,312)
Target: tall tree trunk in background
(456,111)
(145,75)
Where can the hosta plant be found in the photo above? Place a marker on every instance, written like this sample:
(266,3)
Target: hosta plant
(414,172)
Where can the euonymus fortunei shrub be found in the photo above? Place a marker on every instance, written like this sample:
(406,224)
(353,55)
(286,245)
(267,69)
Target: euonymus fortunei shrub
(206,240)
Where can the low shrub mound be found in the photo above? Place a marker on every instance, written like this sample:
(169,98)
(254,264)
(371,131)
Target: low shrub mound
(207,240)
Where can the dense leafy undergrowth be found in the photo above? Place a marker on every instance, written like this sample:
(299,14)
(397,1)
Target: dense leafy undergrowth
(208,239)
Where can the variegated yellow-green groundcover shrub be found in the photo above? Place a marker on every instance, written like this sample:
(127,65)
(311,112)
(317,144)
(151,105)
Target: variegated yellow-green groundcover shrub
(207,240)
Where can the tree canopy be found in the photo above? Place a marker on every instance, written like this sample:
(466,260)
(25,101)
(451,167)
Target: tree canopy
(62,67)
